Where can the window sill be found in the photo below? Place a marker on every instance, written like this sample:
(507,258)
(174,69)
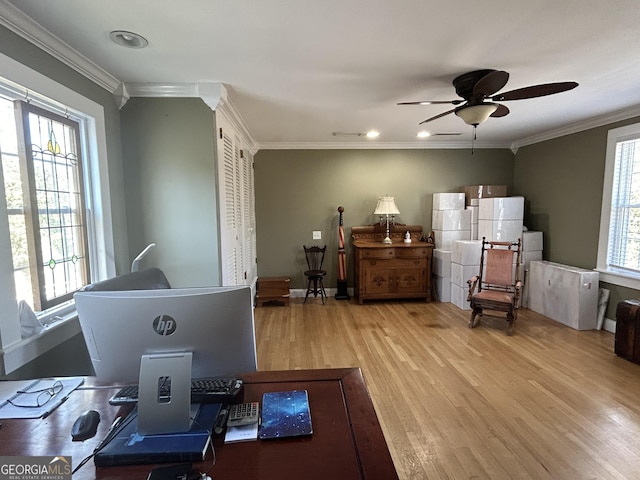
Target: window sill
(617,278)
(55,333)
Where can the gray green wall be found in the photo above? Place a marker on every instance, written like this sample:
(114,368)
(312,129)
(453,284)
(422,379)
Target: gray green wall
(299,191)
(562,180)
(170,184)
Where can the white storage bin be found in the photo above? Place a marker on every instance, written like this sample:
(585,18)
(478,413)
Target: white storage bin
(500,230)
(451,220)
(459,296)
(442,262)
(460,274)
(445,238)
(443,288)
(528,257)
(501,208)
(448,201)
(531,241)
(566,294)
(466,252)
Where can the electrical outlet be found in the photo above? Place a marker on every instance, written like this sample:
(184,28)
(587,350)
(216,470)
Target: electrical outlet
(317,235)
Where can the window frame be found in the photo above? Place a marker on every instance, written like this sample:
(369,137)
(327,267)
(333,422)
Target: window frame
(16,352)
(608,274)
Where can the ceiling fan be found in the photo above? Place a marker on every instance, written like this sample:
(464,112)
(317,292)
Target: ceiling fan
(478,90)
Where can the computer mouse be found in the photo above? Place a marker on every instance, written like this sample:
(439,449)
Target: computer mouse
(85,426)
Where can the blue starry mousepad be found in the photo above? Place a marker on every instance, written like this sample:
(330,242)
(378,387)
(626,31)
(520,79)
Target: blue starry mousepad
(285,414)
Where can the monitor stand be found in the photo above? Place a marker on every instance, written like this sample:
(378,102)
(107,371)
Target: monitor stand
(162,409)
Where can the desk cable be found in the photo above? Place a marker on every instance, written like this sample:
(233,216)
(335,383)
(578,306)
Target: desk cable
(115,427)
(118,424)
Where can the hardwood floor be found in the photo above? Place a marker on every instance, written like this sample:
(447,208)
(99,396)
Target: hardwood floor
(548,402)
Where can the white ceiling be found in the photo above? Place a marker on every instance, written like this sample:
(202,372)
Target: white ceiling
(299,70)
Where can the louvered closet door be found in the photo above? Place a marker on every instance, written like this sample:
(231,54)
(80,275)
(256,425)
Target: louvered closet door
(237,208)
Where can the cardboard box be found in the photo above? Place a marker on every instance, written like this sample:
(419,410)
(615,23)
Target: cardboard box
(483,191)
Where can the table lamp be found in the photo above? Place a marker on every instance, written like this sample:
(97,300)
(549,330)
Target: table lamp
(386,206)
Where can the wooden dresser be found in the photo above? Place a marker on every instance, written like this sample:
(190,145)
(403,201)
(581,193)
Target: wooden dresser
(398,270)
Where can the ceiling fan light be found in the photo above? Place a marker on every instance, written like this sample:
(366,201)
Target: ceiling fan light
(476,114)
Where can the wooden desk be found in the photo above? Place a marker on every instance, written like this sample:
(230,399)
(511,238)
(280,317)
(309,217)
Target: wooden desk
(347,442)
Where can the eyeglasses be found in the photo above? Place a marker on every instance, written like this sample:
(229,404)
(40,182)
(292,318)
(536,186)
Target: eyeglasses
(37,398)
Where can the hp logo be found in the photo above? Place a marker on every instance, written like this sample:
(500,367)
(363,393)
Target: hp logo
(164,325)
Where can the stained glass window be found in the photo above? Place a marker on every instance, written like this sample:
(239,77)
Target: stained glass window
(43,186)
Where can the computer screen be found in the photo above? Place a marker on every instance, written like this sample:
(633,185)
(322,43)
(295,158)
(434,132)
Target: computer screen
(214,323)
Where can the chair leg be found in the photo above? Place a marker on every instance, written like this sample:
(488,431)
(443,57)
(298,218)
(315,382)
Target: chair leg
(323,294)
(308,291)
(511,318)
(474,313)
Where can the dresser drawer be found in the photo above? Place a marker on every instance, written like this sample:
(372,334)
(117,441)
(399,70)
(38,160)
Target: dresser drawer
(412,252)
(378,253)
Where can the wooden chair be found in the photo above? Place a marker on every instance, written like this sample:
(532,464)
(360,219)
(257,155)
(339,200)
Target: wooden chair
(498,283)
(315,274)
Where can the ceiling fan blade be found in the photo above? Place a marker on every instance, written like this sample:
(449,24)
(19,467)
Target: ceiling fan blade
(437,116)
(433,102)
(501,111)
(490,83)
(535,91)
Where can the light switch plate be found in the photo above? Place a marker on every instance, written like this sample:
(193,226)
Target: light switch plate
(317,235)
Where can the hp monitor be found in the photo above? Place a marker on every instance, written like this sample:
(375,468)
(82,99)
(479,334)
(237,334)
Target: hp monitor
(215,324)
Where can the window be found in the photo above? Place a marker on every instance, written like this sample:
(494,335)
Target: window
(42,169)
(619,244)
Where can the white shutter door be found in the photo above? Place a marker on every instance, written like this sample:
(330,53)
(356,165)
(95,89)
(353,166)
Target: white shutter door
(229,205)
(237,207)
(248,220)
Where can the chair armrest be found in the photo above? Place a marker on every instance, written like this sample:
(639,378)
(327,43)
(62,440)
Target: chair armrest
(472,282)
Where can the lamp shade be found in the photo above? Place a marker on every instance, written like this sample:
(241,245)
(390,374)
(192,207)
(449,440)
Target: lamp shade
(386,206)
(476,114)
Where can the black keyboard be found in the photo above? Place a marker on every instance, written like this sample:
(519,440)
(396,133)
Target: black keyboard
(203,390)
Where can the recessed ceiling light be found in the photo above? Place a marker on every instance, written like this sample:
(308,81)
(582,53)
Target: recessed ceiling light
(128,39)
(423,134)
(372,134)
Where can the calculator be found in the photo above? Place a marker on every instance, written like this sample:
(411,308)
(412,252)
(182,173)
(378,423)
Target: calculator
(243,414)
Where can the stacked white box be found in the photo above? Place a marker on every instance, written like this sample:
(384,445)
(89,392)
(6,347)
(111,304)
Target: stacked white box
(448,201)
(473,209)
(532,244)
(465,263)
(450,221)
(441,269)
(500,218)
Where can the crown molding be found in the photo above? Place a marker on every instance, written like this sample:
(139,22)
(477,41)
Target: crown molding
(214,94)
(34,33)
(594,122)
(373,145)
